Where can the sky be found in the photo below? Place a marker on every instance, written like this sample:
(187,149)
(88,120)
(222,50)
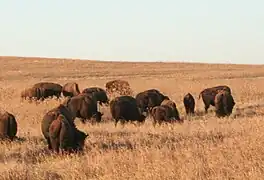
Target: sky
(209,31)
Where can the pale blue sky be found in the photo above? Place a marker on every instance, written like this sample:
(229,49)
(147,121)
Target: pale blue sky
(226,31)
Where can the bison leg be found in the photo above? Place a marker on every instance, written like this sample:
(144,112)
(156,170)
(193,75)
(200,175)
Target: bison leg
(116,121)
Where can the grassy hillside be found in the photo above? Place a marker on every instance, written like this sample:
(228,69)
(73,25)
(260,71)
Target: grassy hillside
(204,147)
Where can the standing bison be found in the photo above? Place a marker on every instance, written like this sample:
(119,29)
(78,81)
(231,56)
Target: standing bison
(33,93)
(50,89)
(85,107)
(224,103)
(53,114)
(98,93)
(64,136)
(124,108)
(8,126)
(208,95)
(172,106)
(70,89)
(189,104)
(164,113)
(149,99)
(120,86)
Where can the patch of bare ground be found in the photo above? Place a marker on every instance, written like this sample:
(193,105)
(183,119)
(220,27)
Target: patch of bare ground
(204,147)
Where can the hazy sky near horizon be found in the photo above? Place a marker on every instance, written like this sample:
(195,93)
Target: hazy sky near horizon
(227,31)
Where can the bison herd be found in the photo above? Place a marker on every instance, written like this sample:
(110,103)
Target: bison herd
(58,127)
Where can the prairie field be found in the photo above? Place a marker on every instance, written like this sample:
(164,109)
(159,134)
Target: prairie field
(203,147)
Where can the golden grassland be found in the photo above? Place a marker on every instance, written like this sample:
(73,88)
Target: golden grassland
(204,147)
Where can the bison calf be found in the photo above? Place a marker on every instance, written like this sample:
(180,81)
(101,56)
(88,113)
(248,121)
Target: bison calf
(224,104)
(8,126)
(189,104)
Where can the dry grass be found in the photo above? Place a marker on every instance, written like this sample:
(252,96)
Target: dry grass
(202,148)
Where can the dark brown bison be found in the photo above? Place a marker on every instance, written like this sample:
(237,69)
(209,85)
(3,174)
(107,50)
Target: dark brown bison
(120,86)
(70,89)
(99,94)
(173,107)
(33,93)
(124,108)
(85,107)
(64,136)
(164,113)
(8,126)
(51,89)
(51,116)
(149,99)
(208,95)
(224,103)
(189,104)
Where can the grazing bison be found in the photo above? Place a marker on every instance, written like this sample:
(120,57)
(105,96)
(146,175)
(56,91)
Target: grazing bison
(51,115)
(8,126)
(173,107)
(208,95)
(120,86)
(189,104)
(51,89)
(64,136)
(99,94)
(124,108)
(33,93)
(149,99)
(85,107)
(70,89)
(164,113)
(224,103)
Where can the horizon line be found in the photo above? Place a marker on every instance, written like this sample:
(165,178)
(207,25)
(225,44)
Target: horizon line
(128,61)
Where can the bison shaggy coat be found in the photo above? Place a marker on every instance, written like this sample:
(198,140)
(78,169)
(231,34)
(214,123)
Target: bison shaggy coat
(98,93)
(149,99)
(208,95)
(51,89)
(120,86)
(224,104)
(70,89)
(189,104)
(85,107)
(124,108)
(51,115)
(172,105)
(164,113)
(64,136)
(8,126)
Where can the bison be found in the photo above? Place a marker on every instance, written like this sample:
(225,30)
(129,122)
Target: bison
(124,108)
(224,103)
(51,89)
(51,115)
(120,86)
(33,93)
(99,94)
(164,113)
(70,89)
(85,107)
(173,107)
(208,95)
(8,126)
(149,99)
(189,104)
(64,136)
